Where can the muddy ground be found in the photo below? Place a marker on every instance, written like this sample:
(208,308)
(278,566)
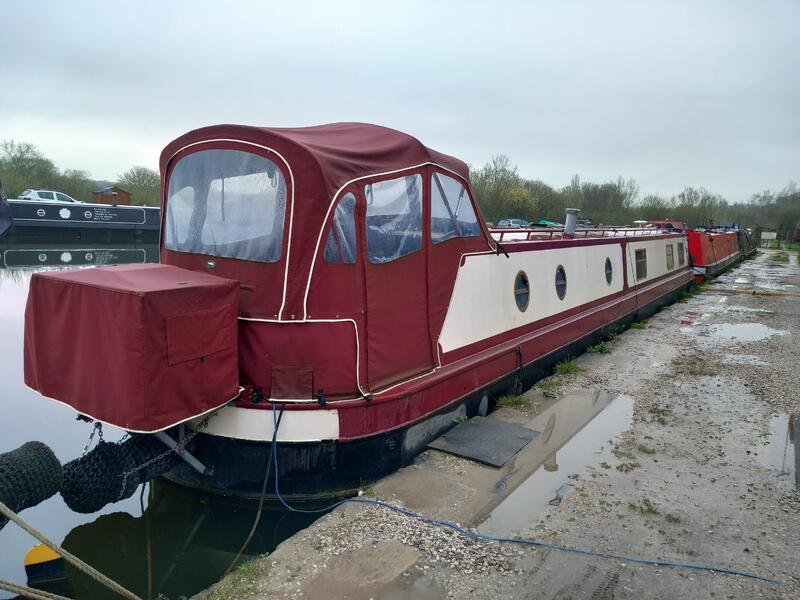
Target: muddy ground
(698,475)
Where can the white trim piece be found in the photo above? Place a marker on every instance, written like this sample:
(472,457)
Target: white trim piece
(258,425)
(291,203)
(335,198)
(186,420)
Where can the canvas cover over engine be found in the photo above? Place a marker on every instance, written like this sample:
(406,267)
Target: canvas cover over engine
(141,347)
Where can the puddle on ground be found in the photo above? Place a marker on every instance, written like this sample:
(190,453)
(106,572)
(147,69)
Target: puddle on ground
(577,439)
(745,332)
(782,452)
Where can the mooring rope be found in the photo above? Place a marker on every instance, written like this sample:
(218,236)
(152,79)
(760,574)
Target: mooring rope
(69,557)
(29,592)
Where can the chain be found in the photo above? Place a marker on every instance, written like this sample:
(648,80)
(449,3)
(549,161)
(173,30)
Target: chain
(202,425)
(97,429)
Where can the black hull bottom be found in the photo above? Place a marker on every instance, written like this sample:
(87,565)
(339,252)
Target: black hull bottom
(318,472)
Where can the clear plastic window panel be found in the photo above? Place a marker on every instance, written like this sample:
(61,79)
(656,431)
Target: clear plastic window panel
(340,246)
(452,214)
(394,218)
(226,203)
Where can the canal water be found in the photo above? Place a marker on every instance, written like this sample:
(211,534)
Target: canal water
(164,539)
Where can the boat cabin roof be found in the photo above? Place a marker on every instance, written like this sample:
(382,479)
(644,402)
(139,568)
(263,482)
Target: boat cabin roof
(323,158)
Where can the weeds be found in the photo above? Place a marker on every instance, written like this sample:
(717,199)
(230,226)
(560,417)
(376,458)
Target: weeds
(548,384)
(672,518)
(567,367)
(780,257)
(460,419)
(628,466)
(601,348)
(645,450)
(514,402)
(638,325)
(242,582)
(645,507)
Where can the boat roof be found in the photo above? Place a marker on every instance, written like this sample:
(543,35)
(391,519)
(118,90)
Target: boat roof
(329,155)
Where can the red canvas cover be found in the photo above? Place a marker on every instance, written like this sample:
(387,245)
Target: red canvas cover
(322,159)
(141,347)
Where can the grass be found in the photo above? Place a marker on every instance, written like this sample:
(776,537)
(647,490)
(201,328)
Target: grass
(780,257)
(242,582)
(638,325)
(645,507)
(514,402)
(567,367)
(693,291)
(549,384)
(627,467)
(601,348)
(645,450)
(367,492)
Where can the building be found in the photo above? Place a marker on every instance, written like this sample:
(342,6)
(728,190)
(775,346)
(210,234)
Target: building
(112,194)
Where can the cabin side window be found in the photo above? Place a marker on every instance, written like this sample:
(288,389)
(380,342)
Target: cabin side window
(670,257)
(452,214)
(394,218)
(681,254)
(641,264)
(340,246)
(226,203)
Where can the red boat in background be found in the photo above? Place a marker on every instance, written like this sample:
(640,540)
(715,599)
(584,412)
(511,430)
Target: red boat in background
(712,251)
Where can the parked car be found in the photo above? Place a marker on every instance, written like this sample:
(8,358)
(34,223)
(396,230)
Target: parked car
(47,196)
(512,223)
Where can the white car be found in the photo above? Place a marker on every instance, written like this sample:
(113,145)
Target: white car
(47,196)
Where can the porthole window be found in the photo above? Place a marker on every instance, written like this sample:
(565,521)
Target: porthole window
(522,291)
(609,271)
(561,282)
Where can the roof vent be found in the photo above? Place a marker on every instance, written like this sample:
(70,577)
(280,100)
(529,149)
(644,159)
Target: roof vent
(572,221)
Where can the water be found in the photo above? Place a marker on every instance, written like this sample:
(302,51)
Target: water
(167,541)
(577,439)
(781,450)
(744,332)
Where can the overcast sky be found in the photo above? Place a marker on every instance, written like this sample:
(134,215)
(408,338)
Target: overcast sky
(669,93)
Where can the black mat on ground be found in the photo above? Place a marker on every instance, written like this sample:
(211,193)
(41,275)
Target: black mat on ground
(485,440)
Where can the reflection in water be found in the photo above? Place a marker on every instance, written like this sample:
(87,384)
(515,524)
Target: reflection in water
(577,434)
(183,543)
(35,253)
(782,451)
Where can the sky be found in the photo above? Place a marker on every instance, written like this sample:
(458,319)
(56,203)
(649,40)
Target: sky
(670,93)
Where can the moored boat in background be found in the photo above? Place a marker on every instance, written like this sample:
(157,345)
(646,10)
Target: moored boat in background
(343,276)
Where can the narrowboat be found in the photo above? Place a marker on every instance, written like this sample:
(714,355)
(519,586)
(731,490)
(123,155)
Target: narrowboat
(712,250)
(344,276)
(98,222)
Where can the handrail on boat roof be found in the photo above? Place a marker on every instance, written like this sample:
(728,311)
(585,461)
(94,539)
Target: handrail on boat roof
(549,233)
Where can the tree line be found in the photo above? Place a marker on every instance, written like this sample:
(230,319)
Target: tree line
(22,166)
(499,188)
(503,193)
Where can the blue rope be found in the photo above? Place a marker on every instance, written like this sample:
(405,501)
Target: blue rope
(491,538)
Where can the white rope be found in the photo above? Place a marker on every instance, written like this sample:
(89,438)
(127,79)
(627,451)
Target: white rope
(29,592)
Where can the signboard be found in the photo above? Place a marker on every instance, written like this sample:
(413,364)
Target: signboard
(78,213)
